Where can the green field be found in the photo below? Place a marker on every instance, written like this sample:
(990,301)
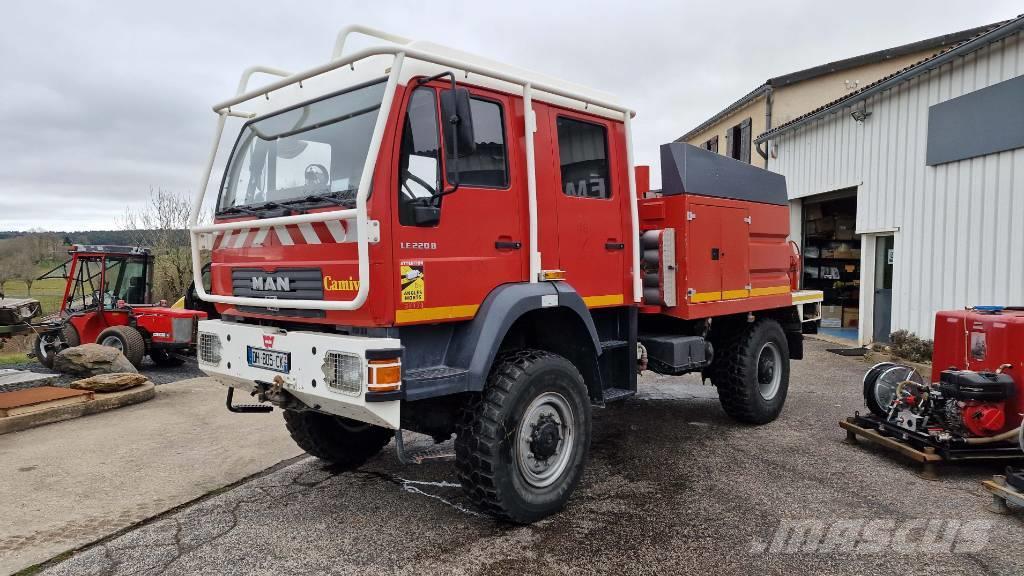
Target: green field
(48,292)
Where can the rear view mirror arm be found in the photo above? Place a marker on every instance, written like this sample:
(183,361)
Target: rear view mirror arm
(454,121)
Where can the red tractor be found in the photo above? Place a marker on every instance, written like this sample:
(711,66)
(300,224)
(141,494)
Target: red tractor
(105,301)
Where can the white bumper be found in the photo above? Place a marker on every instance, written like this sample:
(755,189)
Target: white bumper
(305,378)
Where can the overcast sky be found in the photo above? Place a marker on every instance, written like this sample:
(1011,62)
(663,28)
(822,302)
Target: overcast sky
(100,101)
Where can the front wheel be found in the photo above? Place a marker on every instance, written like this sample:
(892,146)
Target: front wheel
(165,359)
(343,442)
(752,373)
(523,443)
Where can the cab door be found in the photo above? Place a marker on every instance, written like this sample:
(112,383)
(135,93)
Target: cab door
(591,202)
(443,270)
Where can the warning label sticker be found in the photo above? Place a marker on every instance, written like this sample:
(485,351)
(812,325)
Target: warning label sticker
(413,283)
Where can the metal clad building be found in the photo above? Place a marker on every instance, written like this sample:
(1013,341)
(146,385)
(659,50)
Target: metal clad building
(957,226)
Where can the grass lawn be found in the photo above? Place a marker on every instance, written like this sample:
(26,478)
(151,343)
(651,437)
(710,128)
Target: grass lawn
(48,292)
(13,358)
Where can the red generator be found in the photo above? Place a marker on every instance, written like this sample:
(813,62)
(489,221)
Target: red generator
(106,301)
(973,404)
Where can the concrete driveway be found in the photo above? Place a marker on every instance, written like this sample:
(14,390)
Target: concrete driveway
(672,487)
(68,484)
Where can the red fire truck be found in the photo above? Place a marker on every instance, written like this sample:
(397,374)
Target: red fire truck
(409,237)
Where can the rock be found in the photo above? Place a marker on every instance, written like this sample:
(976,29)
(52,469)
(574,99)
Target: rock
(92,359)
(110,382)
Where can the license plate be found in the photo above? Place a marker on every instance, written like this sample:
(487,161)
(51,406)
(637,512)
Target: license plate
(269,359)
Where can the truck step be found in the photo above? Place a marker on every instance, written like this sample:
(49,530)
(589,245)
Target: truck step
(616,394)
(613,344)
(246,408)
(434,373)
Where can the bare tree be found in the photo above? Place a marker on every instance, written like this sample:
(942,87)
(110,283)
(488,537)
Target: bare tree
(23,265)
(162,226)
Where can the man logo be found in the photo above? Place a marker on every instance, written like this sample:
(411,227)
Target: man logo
(271,283)
(268,341)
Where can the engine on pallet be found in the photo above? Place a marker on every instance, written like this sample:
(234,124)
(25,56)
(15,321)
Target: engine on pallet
(962,404)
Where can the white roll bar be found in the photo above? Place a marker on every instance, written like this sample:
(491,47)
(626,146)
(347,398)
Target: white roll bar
(359,214)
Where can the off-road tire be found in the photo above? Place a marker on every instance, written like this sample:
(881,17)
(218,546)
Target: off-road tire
(165,359)
(485,445)
(69,339)
(735,372)
(344,443)
(133,345)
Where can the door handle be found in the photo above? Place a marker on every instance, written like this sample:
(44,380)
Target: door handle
(507,245)
(614,245)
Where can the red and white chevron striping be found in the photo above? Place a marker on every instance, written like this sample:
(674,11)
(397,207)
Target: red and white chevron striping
(330,232)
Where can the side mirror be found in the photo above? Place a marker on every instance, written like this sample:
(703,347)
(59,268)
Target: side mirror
(457,119)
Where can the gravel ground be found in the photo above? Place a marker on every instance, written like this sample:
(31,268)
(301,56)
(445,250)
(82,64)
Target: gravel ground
(672,487)
(158,375)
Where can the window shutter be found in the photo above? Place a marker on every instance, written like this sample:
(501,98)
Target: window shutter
(745,141)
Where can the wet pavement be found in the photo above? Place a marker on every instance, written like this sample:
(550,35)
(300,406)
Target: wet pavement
(672,487)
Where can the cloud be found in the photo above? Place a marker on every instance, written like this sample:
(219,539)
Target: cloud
(101,101)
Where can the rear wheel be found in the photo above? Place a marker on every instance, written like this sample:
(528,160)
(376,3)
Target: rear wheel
(163,358)
(48,345)
(522,444)
(126,339)
(752,373)
(343,442)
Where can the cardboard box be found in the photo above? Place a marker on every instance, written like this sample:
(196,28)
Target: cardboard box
(831,316)
(812,211)
(811,251)
(851,317)
(845,228)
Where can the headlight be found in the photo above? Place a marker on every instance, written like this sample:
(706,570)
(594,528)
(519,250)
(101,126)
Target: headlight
(343,372)
(209,348)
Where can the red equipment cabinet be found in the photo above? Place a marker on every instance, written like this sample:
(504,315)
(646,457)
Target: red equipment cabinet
(983,340)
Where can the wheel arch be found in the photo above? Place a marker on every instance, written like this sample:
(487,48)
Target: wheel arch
(549,316)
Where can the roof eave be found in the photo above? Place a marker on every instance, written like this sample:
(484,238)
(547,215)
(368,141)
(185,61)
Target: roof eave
(854,98)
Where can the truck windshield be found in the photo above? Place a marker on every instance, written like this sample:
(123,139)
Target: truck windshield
(315,149)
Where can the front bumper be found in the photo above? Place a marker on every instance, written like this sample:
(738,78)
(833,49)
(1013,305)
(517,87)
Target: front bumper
(305,378)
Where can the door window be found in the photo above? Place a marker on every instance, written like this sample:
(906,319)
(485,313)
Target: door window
(419,165)
(583,150)
(487,167)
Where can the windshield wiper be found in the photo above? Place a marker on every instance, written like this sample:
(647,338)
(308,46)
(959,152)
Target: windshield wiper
(343,198)
(259,210)
(240,210)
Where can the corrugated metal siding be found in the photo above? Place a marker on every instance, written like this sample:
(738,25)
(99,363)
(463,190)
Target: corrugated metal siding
(961,225)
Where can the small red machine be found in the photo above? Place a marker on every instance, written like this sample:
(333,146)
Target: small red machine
(105,301)
(975,399)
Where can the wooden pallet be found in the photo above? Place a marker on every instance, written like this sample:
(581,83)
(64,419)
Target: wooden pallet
(1002,495)
(928,457)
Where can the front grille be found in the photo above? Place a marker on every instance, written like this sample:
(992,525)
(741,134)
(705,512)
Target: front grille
(181,330)
(209,348)
(283,283)
(343,372)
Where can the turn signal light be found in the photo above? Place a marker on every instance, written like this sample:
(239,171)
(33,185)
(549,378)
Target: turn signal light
(547,275)
(384,375)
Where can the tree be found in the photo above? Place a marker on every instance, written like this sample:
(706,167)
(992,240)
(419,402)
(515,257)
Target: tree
(162,226)
(24,268)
